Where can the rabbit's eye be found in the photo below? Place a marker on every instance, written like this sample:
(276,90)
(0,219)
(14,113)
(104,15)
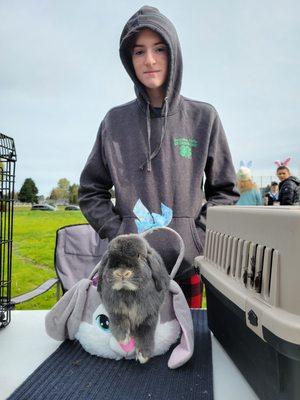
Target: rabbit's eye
(103,322)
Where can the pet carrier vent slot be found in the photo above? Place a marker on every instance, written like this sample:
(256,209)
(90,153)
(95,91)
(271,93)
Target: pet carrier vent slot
(245,260)
(224,251)
(250,274)
(259,259)
(267,272)
(227,255)
(239,257)
(207,243)
(220,249)
(216,248)
(233,256)
(211,244)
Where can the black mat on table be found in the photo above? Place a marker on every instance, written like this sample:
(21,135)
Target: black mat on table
(71,373)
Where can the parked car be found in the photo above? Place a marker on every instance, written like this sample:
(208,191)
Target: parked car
(43,207)
(72,207)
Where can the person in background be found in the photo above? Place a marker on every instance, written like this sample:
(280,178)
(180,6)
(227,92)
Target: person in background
(156,151)
(288,186)
(249,193)
(272,196)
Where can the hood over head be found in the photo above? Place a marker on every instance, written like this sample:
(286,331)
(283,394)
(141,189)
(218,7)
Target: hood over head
(151,18)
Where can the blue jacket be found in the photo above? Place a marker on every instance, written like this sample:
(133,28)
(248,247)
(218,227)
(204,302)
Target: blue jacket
(250,198)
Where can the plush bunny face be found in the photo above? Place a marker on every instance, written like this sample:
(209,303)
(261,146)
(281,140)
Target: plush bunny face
(97,339)
(80,314)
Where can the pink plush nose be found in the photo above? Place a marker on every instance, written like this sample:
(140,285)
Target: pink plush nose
(128,347)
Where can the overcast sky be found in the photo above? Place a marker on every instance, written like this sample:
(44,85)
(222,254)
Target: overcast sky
(60,73)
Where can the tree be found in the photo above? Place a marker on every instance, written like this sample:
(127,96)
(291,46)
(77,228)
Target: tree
(73,194)
(28,192)
(63,184)
(56,194)
(61,191)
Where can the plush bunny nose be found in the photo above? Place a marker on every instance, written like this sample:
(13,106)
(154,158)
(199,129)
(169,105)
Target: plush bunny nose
(122,273)
(128,347)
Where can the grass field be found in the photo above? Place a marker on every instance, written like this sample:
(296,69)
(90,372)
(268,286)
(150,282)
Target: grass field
(33,251)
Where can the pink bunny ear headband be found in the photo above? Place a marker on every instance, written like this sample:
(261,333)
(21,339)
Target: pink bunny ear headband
(282,163)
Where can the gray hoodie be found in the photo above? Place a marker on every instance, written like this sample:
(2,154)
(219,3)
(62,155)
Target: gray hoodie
(158,158)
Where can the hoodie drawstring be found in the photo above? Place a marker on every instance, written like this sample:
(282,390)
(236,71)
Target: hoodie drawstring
(150,156)
(148,137)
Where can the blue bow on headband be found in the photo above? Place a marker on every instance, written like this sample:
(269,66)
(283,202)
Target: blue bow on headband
(247,164)
(146,220)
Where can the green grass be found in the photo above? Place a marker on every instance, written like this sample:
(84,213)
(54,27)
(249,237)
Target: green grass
(33,251)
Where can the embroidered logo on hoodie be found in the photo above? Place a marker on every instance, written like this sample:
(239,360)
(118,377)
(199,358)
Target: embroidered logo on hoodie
(185,146)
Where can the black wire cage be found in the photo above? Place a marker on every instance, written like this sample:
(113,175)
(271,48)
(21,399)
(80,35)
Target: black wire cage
(8,159)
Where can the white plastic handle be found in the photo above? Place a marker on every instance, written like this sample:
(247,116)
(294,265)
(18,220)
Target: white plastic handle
(181,247)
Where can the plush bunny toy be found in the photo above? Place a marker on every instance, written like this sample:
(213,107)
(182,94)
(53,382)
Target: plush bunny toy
(80,314)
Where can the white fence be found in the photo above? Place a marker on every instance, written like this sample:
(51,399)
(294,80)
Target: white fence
(263,181)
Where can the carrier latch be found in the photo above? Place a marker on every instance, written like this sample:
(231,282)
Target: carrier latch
(252,318)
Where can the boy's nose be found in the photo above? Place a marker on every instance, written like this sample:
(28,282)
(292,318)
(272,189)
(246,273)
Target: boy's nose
(150,59)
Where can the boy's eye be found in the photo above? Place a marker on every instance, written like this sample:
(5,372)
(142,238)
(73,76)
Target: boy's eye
(161,49)
(138,52)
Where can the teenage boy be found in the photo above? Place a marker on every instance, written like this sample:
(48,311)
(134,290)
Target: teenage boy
(157,149)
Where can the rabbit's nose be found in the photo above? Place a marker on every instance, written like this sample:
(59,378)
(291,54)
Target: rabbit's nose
(123,273)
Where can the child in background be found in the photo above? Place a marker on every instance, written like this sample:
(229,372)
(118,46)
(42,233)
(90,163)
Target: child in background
(272,196)
(249,193)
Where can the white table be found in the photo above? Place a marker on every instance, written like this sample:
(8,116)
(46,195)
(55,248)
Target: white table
(24,345)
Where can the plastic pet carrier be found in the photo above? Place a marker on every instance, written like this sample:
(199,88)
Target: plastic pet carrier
(7,179)
(251,269)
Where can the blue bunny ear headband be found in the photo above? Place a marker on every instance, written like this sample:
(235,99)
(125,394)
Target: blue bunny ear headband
(247,164)
(146,220)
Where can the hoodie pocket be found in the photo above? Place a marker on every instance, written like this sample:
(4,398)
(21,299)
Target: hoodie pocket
(167,245)
(198,235)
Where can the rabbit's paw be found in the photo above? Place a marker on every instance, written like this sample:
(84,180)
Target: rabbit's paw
(142,359)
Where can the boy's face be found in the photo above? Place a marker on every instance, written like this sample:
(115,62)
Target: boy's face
(150,59)
(274,188)
(283,174)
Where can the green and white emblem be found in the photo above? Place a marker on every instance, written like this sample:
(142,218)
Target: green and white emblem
(185,146)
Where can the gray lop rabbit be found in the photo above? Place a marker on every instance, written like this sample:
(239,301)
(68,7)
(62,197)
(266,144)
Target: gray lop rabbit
(133,282)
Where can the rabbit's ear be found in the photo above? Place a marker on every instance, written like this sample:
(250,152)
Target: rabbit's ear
(102,265)
(278,163)
(156,265)
(65,317)
(242,164)
(184,350)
